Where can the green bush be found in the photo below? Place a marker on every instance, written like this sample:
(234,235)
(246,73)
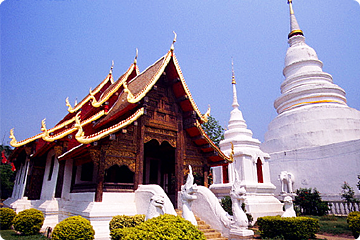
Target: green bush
(122,221)
(7,216)
(288,228)
(353,220)
(29,221)
(310,203)
(163,227)
(226,203)
(73,228)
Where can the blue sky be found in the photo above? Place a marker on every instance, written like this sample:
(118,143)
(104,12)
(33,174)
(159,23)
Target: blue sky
(53,49)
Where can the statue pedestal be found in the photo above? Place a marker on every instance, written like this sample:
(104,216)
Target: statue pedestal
(239,233)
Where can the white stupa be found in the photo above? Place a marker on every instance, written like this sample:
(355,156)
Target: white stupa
(316,136)
(250,162)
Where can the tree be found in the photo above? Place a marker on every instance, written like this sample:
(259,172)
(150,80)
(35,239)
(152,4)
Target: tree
(358,183)
(213,129)
(348,195)
(7,176)
(310,203)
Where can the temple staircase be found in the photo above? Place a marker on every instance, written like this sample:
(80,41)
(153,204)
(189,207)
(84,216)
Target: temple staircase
(210,234)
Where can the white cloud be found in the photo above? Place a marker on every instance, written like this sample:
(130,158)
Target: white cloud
(358,1)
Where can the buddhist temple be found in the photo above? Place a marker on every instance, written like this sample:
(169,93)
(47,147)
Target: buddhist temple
(316,135)
(143,128)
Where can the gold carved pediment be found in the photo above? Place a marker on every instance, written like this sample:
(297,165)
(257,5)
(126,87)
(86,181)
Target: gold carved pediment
(160,135)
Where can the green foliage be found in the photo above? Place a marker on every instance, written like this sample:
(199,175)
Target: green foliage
(332,224)
(73,228)
(123,221)
(348,195)
(12,235)
(288,228)
(7,216)
(29,221)
(226,203)
(310,202)
(163,227)
(7,150)
(353,220)
(213,129)
(7,176)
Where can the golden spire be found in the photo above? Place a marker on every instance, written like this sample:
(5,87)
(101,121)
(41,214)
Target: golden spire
(291,8)
(233,73)
(294,26)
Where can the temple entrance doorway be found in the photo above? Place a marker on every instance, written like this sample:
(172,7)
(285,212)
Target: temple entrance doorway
(159,166)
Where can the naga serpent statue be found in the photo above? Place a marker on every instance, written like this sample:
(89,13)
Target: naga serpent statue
(187,196)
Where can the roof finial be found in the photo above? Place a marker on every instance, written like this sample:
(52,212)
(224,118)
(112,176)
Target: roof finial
(294,26)
(172,45)
(112,66)
(136,56)
(233,73)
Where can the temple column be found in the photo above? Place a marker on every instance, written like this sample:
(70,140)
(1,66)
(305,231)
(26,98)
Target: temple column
(98,157)
(179,156)
(139,164)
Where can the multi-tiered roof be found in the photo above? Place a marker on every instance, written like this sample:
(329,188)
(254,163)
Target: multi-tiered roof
(113,105)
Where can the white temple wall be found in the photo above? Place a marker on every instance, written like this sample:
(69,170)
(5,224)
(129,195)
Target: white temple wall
(248,169)
(266,172)
(324,168)
(50,177)
(67,180)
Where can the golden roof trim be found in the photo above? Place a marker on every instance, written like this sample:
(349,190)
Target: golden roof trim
(113,90)
(45,135)
(187,91)
(216,148)
(80,135)
(140,95)
(89,97)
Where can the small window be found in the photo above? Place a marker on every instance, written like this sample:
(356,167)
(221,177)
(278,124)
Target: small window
(259,171)
(225,170)
(51,167)
(87,170)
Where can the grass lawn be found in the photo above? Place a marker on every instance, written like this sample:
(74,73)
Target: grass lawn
(11,235)
(333,225)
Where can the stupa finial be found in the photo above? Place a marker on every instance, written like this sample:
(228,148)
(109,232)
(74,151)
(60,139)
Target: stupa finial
(291,8)
(235,103)
(233,73)
(294,26)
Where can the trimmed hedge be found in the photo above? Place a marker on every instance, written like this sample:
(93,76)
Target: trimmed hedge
(122,221)
(29,221)
(294,228)
(353,219)
(7,216)
(163,227)
(73,228)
